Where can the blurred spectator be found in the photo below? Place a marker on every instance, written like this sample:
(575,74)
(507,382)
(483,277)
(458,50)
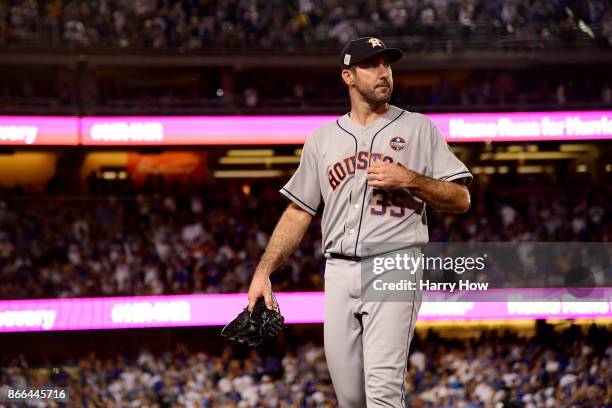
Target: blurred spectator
(251,97)
(561,94)
(607,28)
(606,94)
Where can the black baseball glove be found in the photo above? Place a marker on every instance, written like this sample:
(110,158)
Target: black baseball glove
(252,328)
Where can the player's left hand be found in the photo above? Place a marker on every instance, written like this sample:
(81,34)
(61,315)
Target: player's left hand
(389,176)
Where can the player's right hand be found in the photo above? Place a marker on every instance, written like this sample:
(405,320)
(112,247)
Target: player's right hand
(261,286)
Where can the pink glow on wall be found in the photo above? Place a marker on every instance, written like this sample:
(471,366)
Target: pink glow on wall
(218,309)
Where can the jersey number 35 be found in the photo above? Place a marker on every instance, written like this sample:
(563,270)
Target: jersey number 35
(384,200)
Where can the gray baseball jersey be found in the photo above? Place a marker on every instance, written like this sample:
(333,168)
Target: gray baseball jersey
(333,169)
(367,343)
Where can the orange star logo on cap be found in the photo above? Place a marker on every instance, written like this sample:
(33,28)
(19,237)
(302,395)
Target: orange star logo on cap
(375,42)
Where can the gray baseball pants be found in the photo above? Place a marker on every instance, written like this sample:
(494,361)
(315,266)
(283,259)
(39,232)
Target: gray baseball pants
(366,343)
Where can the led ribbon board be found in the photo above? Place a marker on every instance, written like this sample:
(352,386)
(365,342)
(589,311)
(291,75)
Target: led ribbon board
(38,131)
(282,130)
(272,130)
(297,307)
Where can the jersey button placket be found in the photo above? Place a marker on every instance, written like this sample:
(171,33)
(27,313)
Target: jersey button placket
(356,204)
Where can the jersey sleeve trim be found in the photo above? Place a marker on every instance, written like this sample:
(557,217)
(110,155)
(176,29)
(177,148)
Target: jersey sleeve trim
(298,201)
(461,174)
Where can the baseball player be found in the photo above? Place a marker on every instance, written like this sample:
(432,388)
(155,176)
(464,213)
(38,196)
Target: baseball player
(375,169)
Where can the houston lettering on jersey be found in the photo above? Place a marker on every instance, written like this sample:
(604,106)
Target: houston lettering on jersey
(347,166)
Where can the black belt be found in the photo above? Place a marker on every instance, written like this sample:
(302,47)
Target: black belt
(346,257)
(351,258)
(334,255)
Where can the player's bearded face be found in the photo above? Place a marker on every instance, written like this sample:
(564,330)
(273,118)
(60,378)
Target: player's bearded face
(374,81)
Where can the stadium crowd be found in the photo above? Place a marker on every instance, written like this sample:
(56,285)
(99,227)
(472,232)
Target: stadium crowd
(551,369)
(491,90)
(210,242)
(495,90)
(191,24)
(287,26)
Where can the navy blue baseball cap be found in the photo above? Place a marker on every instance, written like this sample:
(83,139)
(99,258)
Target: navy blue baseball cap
(363,48)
